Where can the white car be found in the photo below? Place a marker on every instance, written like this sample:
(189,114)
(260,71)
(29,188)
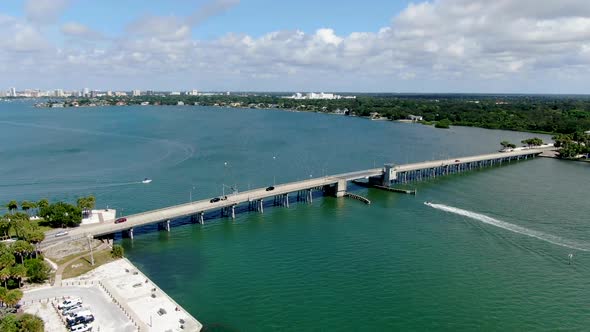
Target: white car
(69,302)
(61,233)
(81,328)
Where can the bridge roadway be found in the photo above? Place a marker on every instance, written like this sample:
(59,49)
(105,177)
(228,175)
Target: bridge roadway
(193,208)
(188,209)
(465,160)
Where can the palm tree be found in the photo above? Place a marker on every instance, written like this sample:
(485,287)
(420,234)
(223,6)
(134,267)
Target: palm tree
(3,292)
(19,272)
(21,248)
(5,275)
(13,296)
(43,203)
(12,206)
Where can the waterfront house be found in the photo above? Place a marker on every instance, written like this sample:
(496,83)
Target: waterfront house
(415,118)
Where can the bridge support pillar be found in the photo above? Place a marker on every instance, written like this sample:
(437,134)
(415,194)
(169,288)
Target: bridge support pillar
(260,206)
(167,225)
(309,196)
(233,212)
(286,200)
(128,233)
(340,188)
(389,175)
(201,218)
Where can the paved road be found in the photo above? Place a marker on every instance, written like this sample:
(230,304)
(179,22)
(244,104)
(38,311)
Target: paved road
(107,315)
(193,208)
(454,161)
(173,212)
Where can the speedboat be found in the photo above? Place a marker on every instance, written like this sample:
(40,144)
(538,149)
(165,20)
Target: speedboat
(146,180)
(428,203)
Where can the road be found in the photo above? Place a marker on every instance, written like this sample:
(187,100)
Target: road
(205,205)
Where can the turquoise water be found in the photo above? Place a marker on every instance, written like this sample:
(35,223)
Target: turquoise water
(498,263)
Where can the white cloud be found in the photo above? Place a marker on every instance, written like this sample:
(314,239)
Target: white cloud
(45,11)
(440,45)
(78,30)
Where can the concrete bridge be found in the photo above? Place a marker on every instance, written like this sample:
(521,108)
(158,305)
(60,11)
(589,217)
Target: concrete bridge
(335,185)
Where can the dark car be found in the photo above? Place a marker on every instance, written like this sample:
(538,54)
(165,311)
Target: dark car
(271,188)
(215,200)
(120,220)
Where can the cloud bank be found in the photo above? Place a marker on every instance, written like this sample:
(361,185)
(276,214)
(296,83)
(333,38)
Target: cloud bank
(438,46)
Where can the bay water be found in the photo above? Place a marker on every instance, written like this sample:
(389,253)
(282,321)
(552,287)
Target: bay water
(490,253)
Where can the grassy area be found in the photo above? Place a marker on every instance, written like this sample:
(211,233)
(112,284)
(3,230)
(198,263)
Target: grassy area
(83,265)
(38,224)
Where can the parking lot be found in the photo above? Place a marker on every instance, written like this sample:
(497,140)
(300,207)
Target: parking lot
(108,316)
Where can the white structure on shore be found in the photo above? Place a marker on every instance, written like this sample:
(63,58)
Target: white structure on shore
(136,93)
(321,95)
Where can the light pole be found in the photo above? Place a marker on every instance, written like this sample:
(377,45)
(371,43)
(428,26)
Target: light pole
(90,246)
(224,176)
(274,170)
(190,194)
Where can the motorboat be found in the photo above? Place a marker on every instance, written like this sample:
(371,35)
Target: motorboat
(146,180)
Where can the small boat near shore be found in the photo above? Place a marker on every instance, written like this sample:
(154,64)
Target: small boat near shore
(146,180)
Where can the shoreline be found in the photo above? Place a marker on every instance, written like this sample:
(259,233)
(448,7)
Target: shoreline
(121,297)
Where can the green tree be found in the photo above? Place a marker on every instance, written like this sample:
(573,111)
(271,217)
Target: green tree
(26,206)
(21,249)
(43,203)
(444,124)
(5,275)
(535,141)
(62,214)
(31,323)
(13,296)
(12,206)
(18,272)
(5,226)
(117,251)
(9,323)
(3,292)
(37,270)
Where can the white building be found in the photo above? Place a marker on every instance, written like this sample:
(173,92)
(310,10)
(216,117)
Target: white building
(175,93)
(136,93)
(12,92)
(321,95)
(109,93)
(86,92)
(58,93)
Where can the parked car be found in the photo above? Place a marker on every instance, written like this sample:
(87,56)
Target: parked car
(71,309)
(120,220)
(69,302)
(271,188)
(81,328)
(457,160)
(61,233)
(214,200)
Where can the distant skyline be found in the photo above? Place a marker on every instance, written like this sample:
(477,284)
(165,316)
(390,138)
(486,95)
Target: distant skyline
(441,46)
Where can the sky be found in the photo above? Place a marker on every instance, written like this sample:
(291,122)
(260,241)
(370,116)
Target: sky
(439,46)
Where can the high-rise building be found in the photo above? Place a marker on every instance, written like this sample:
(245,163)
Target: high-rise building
(86,92)
(59,93)
(109,93)
(12,92)
(136,93)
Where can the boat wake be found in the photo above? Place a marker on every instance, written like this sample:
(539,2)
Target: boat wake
(553,239)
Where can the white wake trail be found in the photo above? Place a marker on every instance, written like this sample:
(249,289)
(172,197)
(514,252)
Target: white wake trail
(511,227)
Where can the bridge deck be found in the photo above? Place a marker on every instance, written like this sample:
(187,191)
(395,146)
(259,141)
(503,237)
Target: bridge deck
(169,213)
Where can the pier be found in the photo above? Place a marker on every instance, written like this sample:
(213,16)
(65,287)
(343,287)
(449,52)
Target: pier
(334,185)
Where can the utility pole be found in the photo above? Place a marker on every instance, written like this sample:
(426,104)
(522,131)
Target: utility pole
(89,237)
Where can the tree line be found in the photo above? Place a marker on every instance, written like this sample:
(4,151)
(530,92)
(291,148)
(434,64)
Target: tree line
(548,114)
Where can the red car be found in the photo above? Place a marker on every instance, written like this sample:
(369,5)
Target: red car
(120,220)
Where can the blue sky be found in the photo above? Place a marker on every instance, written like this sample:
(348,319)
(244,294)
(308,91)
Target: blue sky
(526,46)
